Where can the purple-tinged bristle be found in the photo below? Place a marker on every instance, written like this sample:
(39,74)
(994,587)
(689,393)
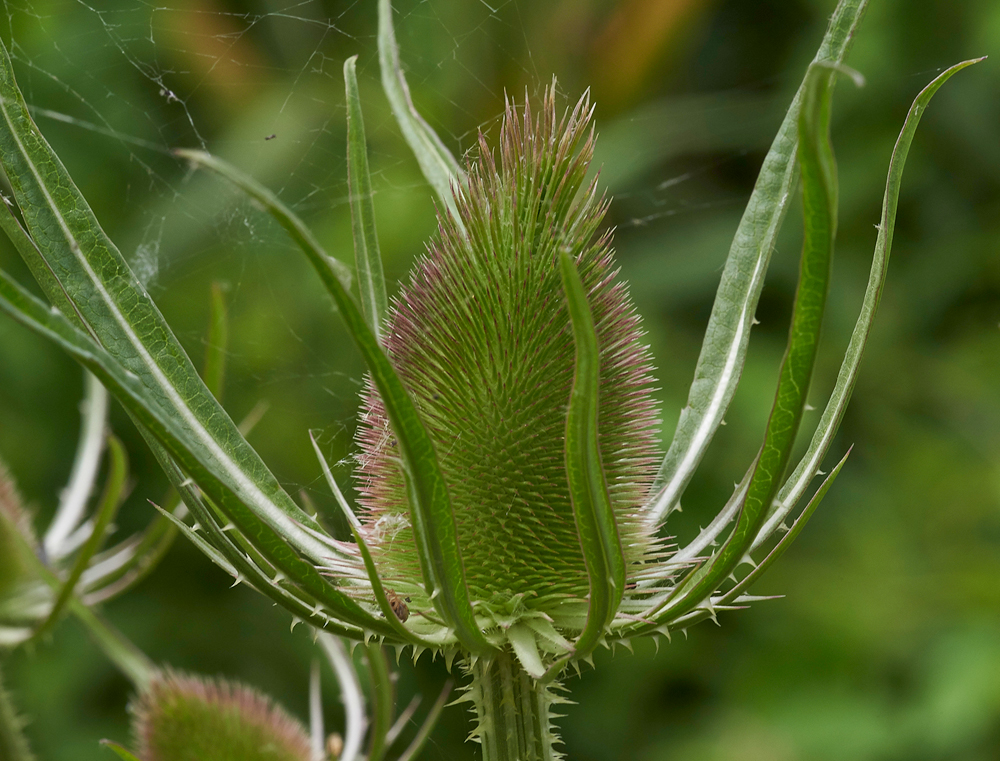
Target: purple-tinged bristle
(481,339)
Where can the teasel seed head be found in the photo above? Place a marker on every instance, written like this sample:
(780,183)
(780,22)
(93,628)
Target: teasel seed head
(482,339)
(187,718)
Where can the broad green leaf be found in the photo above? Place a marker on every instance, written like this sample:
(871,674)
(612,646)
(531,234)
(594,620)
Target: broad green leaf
(595,517)
(728,333)
(119,313)
(807,468)
(430,505)
(107,509)
(436,162)
(819,201)
(367,258)
(210,475)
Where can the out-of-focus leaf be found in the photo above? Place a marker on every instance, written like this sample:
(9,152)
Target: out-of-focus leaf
(107,509)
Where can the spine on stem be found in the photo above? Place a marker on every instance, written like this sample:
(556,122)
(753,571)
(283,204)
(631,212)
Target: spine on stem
(513,711)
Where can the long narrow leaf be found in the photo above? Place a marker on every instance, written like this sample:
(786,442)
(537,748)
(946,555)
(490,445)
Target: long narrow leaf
(436,162)
(430,505)
(378,589)
(135,398)
(829,422)
(116,309)
(106,511)
(796,528)
(595,518)
(728,333)
(83,475)
(214,372)
(233,556)
(383,700)
(367,258)
(819,201)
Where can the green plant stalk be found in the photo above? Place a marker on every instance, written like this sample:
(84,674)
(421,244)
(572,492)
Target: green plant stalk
(13,744)
(513,711)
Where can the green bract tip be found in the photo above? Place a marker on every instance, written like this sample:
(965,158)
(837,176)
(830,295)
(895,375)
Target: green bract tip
(481,337)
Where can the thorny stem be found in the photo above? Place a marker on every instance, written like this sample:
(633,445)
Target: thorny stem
(13,746)
(513,711)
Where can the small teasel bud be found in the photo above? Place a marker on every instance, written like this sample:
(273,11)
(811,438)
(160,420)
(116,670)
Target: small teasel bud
(186,718)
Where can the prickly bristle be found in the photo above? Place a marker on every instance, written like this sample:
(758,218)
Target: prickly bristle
(482,340)
(14,520)
(185,718)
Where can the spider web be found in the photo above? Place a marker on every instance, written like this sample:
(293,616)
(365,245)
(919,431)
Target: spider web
(116,86)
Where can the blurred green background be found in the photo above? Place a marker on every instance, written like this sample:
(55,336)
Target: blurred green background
(887,644)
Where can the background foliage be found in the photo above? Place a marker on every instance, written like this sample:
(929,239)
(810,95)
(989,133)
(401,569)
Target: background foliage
(888,642)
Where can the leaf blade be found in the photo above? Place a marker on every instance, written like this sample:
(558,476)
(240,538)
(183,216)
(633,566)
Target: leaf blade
(430,504)
(367,258)
(819,192)
(727,336)
(436,162)
(117,310)
(836,406)
(134,397)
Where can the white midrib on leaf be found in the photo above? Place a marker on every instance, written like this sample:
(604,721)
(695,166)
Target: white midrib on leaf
(248,491)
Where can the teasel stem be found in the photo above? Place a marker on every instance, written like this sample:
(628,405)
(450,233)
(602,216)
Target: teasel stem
(513,711)
(13,745)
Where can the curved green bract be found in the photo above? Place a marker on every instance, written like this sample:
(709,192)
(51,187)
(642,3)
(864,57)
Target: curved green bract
(135,398)
(115,308)
(107,509)
(819,193)
(727,336)
(430,505)
(436,162)
(367,259)
(595,517)
(833,413)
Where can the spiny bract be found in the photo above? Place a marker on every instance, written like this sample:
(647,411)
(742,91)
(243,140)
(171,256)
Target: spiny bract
(481,337)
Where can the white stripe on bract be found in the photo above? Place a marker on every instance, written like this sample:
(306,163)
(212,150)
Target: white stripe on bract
(251,493)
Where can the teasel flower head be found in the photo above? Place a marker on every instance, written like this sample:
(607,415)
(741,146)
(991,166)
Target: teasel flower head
(482,338)
(188,718)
